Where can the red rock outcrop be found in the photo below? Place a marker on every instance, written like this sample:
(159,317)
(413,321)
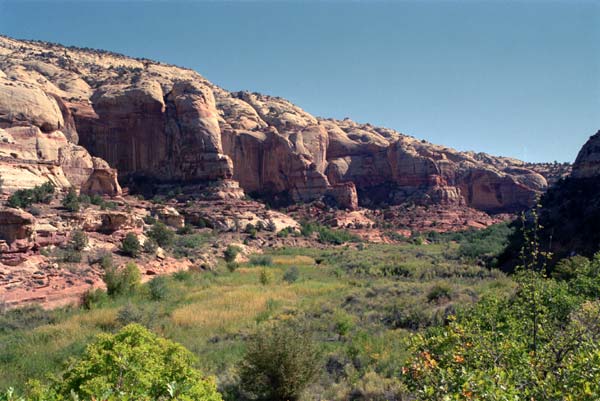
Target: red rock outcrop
(168,125)
(34,148)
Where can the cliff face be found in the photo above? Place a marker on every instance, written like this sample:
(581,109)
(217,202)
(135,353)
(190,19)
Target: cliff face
(165,124)
(570,211)
(35,128)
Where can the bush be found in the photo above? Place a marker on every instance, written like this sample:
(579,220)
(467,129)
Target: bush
(70,255)
(261,260)
(79,240)
(130,313)
(150,246)
(134,364)
(71,201)
(131,245)
(232,266)
(438,293)
(93,298)
(280,362)
(85,199)
(185,230)
(96,200)
(122,282)
(291,275)
(26,197)
(162,234)
(265,277)
(159,288)
(106,261)
(231,253)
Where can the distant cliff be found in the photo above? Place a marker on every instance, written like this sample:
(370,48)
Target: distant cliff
(163,125)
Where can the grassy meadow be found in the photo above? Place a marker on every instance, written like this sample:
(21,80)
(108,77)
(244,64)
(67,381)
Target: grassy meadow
(360,301)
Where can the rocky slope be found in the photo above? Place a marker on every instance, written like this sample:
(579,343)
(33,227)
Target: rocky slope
(569,216)
(161,126)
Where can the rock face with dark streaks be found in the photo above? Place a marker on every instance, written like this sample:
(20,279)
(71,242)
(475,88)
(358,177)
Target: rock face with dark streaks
(164,125)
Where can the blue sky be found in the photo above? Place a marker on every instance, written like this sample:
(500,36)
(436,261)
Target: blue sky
(514,78)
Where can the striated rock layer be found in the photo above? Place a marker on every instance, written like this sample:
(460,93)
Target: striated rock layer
(160,124)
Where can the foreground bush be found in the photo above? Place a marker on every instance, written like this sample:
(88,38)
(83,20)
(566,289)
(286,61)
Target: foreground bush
(542,344)
(133,364)
(280,362)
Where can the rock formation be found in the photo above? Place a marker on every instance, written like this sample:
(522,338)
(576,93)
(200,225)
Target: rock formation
(162,125)
(587,163)
(34,148)
(570,211)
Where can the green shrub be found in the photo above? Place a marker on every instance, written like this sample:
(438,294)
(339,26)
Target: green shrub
(85,199)
(343,323)
(71,201)
(134,364)
(265,277)
(122,281)
(96,200)
(183,275)
(261,260)
(291,275)
(130,313)
(185,230)
(159,288)
(150,246)
(70,255)
(162,234)
(94,298)
(232,266)
(24,198)
(79,240)
(438,293)
(231,253)
(106,261)
(280,362)
(131,245)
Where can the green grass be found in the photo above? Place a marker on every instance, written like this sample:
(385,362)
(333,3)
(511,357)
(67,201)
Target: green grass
(361,305)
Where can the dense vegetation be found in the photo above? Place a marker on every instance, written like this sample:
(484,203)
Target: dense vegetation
(24,198)
(426,320)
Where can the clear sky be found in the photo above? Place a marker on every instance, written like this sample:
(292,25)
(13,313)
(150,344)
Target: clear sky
(514,78)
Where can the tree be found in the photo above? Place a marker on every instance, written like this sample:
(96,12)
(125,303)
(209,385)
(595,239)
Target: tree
(279,364)
(71,201)
(131,245)
(135,364)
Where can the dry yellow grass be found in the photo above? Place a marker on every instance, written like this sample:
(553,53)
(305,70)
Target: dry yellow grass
(229,307)
(293,260)
(98,317)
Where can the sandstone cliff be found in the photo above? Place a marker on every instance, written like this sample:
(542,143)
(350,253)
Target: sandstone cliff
(165,125)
